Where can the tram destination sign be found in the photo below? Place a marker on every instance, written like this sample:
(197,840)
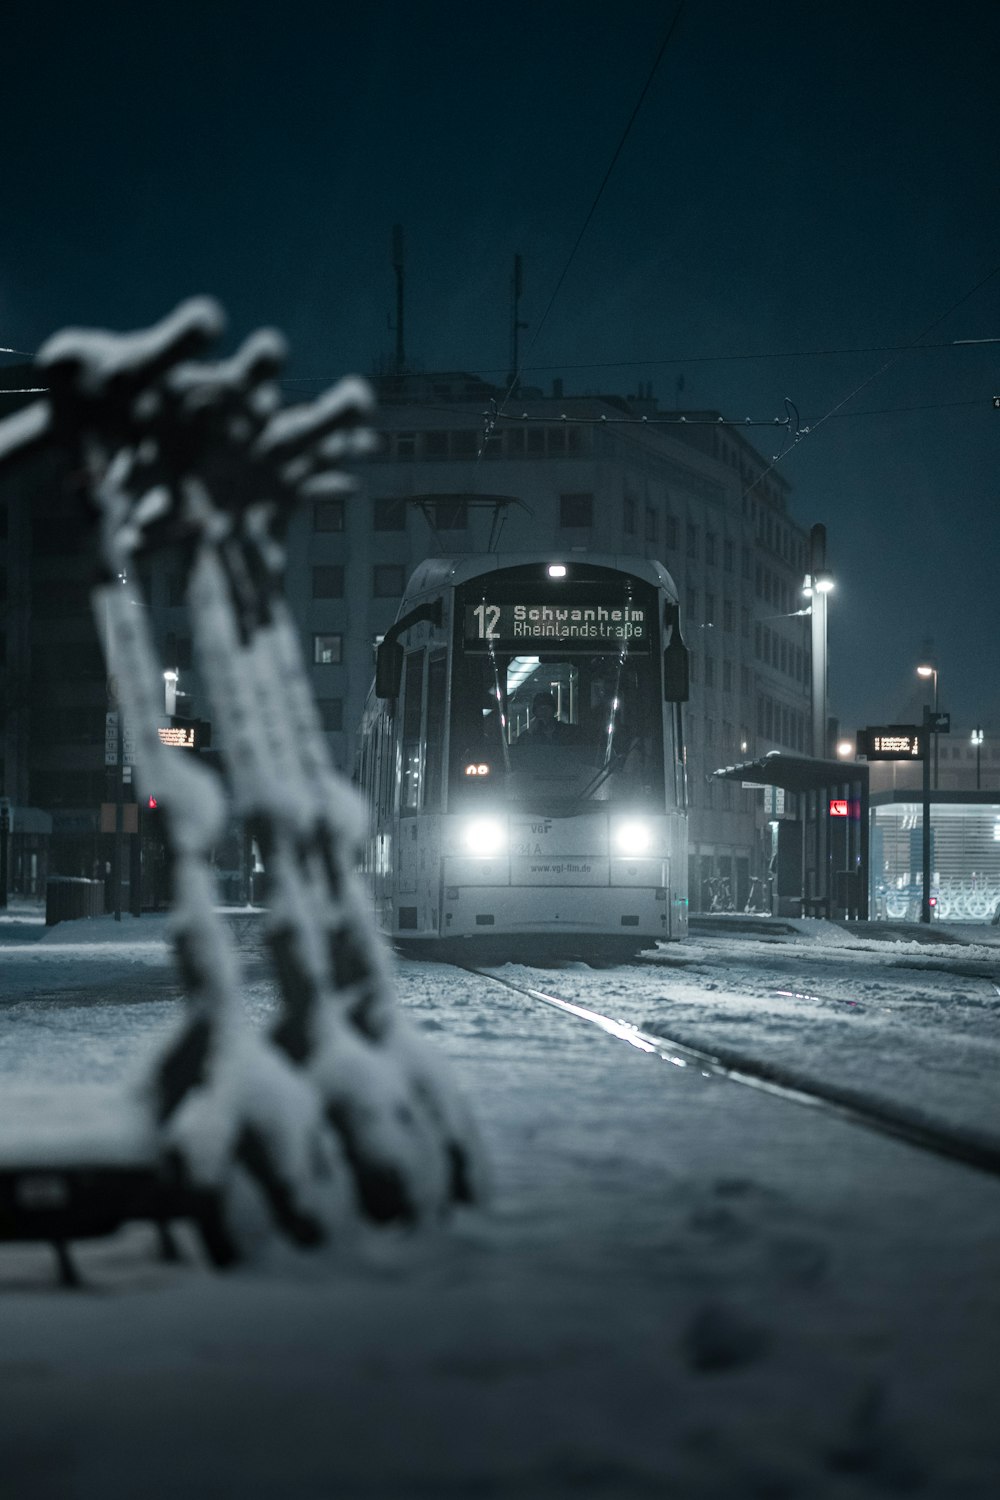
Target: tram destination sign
(892,742)
(541,626)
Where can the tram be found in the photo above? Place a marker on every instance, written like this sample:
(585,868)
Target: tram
(522,758)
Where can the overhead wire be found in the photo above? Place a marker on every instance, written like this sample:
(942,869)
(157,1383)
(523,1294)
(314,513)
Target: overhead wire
(668,37)
(696,359)
(834,411)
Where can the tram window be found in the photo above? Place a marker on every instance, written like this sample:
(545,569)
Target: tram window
(434,752)
(413,678)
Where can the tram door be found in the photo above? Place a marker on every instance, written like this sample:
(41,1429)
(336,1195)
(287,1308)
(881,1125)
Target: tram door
(411,770)
(421,763)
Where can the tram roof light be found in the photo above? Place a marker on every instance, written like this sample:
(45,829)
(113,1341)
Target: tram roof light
(845,749)
(823,583)
(556,570)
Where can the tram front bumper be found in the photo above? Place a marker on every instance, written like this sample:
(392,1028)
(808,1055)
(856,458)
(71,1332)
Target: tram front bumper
(605,910)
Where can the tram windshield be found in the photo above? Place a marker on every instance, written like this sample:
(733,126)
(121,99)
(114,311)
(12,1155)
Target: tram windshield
(555,732)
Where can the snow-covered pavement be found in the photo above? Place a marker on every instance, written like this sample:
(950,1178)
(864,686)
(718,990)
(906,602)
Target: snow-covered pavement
(681,1287)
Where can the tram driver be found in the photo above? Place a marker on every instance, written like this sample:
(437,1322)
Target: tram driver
(545,727)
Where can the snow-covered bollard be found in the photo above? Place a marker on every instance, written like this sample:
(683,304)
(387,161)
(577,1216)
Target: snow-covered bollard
(341,1112)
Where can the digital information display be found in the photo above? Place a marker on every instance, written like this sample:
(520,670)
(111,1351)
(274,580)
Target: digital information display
(530,626)
(892,742)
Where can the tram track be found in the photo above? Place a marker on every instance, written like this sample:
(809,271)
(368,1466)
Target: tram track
(844,1103)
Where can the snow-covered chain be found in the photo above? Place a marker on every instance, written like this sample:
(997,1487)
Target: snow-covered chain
(341,1113)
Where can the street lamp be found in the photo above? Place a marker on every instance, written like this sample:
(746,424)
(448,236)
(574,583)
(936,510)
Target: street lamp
(845,749)
(816,588)
(929,671)
(925,798)
(977,740)
(171,677)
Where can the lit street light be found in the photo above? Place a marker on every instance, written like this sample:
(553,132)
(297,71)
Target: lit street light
(977,740)
(925,841)
(816,589)
(929,671)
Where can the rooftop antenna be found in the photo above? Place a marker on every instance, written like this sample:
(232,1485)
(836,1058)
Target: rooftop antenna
(397,263)
(516,287)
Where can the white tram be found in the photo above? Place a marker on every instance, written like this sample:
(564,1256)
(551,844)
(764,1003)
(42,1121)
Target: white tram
(522,757)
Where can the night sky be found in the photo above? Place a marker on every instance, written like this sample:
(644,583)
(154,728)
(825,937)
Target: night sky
(807,192)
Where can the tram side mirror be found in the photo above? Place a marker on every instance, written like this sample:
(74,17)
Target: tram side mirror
(676,664)
(388,669)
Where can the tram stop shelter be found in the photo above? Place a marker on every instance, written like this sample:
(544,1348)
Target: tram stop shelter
(819,832)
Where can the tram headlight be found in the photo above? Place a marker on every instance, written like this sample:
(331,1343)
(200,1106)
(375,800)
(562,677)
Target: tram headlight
(484,836)
(632,837)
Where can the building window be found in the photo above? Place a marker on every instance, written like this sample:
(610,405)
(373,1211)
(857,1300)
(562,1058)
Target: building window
(328,582)
(628,516)
(650,524)
(710,547)
(331,714)
(390,514)
(710,671)
(576,510)
(435,445)
(709,609)
(692,603)
(728,616)
(328,650)
(388,580)
(464,443)
(328,515)
(727,676)
(670,532)
(727,555)
(692,539)
(406,444)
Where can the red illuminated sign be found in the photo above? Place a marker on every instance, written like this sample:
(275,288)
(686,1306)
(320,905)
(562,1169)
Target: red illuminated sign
(840,807)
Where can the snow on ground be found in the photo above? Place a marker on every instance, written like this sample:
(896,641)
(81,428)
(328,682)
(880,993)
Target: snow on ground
(681,1287)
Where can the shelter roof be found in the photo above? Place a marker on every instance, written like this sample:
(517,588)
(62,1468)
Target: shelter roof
(795,773)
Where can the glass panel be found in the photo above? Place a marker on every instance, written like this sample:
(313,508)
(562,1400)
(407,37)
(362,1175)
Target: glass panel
(558,733)
(411,747)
